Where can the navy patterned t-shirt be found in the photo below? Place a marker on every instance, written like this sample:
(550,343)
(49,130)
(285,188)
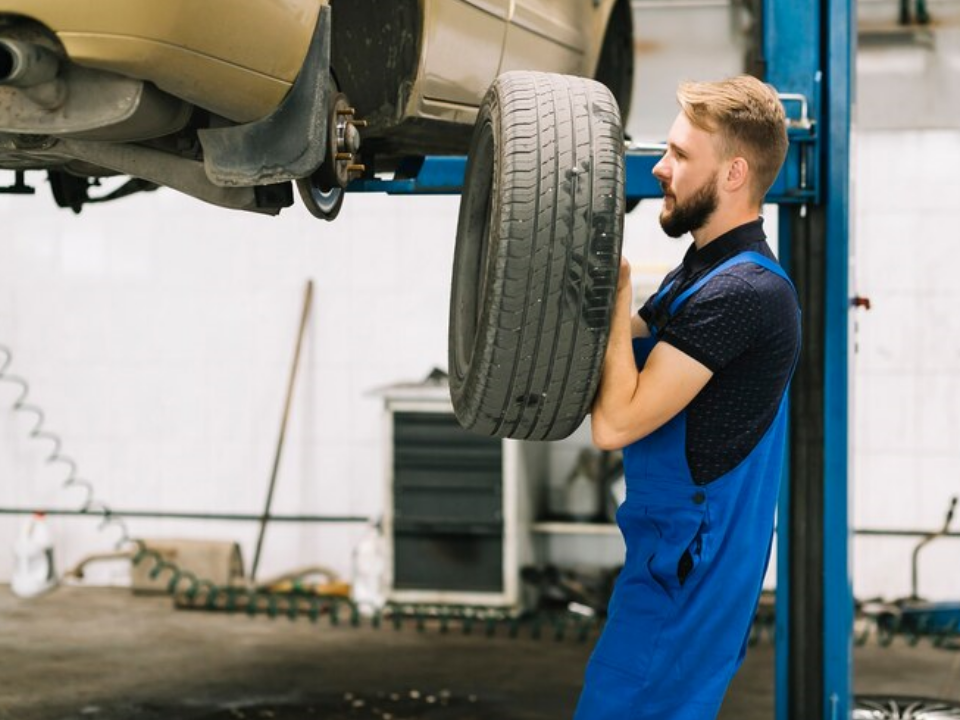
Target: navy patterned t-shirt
(743,325)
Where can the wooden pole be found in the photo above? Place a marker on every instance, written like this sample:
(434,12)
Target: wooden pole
(265,517)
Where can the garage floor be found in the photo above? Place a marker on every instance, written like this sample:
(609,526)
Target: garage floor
(103,654)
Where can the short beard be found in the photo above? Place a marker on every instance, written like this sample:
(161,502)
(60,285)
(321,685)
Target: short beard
(693,214)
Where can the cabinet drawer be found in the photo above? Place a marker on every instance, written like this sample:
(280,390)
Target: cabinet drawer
(448,562)
(433,457)
(449,505)
(475,479)
(413,428)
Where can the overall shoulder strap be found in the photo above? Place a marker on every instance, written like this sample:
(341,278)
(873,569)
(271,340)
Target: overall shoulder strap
(660,295)
(739,259)
(660,314)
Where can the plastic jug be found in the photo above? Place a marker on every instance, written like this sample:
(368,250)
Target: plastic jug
(33,571)
(369,572)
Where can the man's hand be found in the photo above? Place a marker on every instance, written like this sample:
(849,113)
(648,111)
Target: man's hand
(624,286)
(638,326)
(623,304)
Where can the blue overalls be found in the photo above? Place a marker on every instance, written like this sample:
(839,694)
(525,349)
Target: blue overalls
(684,602)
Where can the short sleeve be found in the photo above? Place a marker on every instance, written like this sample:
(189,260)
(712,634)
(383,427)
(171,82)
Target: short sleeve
(718,323)
(646,310)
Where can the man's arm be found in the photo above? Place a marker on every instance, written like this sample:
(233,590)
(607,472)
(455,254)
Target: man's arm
(630,404)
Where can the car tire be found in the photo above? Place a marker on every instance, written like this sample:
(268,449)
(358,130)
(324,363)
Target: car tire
(537,256)
(615,66)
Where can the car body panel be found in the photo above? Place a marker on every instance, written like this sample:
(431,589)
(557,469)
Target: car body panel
(244,95)
(242,71)
(527,50)
(455,30)
(558,22)
(548,36)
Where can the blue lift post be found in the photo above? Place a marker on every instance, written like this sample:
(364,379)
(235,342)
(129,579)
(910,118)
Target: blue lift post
(808,48)
(807,54)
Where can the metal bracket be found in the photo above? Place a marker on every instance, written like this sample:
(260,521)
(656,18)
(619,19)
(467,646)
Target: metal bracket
(19,186)
(804,120)
(162,169)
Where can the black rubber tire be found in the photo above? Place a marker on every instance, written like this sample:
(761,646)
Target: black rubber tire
(537,256)
(615,65)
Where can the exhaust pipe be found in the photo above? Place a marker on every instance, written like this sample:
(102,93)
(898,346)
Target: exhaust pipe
(25,64)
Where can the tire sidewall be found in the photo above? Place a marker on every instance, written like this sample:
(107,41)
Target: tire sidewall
(475,268)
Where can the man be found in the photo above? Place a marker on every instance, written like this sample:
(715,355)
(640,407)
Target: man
(693,388)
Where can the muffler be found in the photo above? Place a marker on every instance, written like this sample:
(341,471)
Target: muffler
(26,64)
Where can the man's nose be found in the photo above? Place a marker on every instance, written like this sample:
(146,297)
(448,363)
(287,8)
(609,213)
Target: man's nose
(660,171)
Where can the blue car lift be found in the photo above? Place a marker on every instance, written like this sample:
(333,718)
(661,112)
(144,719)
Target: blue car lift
(806,52)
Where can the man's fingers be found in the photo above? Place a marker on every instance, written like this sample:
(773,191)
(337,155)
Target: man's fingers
(624,278)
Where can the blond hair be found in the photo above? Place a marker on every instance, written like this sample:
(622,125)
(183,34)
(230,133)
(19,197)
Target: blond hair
(748,119)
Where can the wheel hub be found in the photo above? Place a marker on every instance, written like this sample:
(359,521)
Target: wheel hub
(322,192)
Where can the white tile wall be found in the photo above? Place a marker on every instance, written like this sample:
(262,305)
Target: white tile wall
(906,408)
(157,334)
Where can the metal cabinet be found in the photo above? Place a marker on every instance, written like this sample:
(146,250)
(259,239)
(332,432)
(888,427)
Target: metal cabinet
(458,506)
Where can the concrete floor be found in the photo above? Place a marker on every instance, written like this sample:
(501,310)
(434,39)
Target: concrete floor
(106,655)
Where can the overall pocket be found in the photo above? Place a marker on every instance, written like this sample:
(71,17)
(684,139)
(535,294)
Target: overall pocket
(679,551)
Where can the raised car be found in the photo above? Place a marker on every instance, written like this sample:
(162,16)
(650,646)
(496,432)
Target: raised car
(236,101)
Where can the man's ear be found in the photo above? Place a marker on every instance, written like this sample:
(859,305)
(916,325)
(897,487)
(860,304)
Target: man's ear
(737,173)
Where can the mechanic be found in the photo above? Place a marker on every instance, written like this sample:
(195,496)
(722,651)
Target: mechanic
(694,390)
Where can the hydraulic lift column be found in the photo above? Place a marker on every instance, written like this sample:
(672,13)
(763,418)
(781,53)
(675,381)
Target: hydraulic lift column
(808,48)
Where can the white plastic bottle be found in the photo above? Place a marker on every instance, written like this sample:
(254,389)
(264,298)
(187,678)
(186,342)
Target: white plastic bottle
(33,572)
(368,591)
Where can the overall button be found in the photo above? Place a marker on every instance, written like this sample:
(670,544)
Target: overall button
(699,497)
